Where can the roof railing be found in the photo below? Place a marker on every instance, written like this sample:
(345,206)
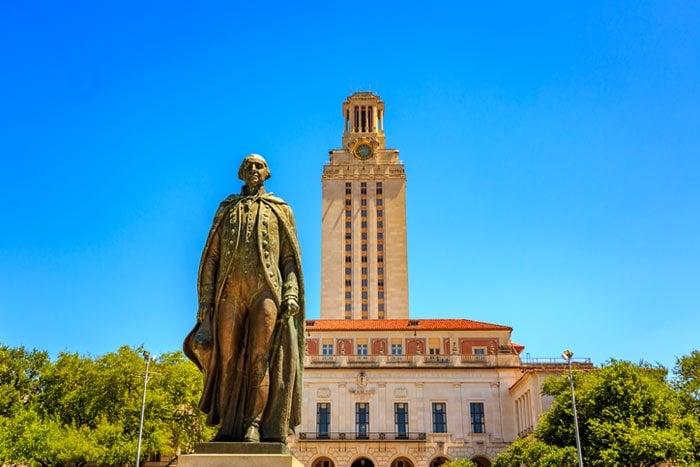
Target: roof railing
(361,436)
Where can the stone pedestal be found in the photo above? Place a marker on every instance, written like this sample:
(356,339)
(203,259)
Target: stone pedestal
(239,454)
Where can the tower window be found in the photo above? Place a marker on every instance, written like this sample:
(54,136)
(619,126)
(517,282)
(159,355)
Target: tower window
(476,410)
(327,349)
(323,419)
(362,420)
(439,417)
(401,420)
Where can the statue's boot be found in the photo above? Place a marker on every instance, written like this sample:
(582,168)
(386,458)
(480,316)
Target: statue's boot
(252,433)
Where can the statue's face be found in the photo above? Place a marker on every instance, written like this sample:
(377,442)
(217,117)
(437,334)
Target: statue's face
(255,173)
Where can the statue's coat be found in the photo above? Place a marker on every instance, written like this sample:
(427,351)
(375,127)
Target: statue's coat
(286,355)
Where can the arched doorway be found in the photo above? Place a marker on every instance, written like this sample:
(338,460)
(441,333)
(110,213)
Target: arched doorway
(438,461)
(402,462)
(362,462)
(323,462)
(481,461)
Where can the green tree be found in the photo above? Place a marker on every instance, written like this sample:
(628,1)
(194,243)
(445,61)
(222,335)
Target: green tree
(80,409)
(177,387)
(19,378)
(628,415)
(459,463)
(535,453)
(687,381)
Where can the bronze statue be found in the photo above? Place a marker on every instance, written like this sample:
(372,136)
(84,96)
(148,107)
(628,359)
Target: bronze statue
(249,337)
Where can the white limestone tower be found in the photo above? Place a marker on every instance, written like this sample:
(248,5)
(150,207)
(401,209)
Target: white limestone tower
(364,273)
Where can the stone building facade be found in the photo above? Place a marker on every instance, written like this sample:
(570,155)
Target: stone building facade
(382,389)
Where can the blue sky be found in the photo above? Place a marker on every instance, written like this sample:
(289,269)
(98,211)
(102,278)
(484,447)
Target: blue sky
(551,153)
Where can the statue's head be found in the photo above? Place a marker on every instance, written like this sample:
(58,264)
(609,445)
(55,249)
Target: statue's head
(253,170)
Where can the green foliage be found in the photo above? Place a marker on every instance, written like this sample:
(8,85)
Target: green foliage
(459,463)
(628,415)
(80,409)
(19,377)
(535,453)
(687,381)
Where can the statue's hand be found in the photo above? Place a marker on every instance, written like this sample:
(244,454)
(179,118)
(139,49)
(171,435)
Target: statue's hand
(205,309)
(291,307)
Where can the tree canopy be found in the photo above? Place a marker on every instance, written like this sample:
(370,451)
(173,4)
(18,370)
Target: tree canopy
(628,415)
(80,409)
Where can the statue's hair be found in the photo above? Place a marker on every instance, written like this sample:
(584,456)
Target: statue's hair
(257,157)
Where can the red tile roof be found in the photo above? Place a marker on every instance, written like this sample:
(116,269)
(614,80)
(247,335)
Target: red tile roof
(402,325)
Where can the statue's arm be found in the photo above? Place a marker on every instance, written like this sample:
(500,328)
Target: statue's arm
(288,268)
(209,268)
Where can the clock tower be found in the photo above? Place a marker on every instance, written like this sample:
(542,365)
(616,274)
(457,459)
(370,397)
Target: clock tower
(364,273)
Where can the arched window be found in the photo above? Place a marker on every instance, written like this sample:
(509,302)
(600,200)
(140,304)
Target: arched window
(323,462)
(481,461)
(362,462)
(438,461)
(402,462)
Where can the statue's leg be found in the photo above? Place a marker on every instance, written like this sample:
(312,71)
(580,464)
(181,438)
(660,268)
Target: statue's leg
(262,319)
(230,328)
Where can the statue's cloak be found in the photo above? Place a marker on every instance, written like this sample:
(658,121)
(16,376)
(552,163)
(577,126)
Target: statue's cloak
(286,354)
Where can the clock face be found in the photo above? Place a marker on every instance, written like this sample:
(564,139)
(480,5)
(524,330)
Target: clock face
(363,151)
